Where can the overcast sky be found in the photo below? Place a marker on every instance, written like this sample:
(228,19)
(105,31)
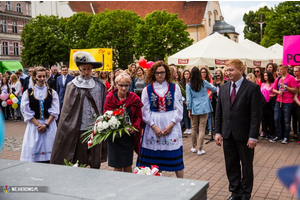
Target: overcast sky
(233,12)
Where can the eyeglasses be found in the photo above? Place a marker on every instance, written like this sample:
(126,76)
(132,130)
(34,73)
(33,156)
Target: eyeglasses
(160,73)
(29,71)
(203,72)
(217,75)
(256,71)
(123,85)
(296,71)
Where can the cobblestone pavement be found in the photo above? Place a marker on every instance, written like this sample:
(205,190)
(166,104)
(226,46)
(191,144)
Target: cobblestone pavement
(269,157)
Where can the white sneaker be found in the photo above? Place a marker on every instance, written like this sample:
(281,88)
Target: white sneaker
(209,133)
(189,131)
(186,131)
(194,150)
(201,152)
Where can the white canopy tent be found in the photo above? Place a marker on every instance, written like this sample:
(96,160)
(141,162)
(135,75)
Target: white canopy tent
(277,48)
(256,48)
(216,50)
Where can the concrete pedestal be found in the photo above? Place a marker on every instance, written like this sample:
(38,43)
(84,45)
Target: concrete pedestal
(65,182)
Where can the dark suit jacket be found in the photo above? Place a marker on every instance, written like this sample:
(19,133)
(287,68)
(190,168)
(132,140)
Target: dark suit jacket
(55,78)
(60,88)
(51,83)
(242,117)
(26,83)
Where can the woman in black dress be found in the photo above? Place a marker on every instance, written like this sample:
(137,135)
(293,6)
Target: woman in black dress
(120,151)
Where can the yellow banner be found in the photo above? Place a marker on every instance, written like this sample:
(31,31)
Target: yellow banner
(103,55)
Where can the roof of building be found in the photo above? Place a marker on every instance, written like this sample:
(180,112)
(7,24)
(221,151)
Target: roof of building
(191,12)
(221,26)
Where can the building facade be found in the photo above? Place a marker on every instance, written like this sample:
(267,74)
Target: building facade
(57,8)
(13,16)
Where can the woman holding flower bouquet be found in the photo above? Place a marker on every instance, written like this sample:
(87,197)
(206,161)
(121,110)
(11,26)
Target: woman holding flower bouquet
(120,150)
(162,113)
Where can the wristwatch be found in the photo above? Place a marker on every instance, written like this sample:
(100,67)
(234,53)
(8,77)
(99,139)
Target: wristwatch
(47,125)
(285,86)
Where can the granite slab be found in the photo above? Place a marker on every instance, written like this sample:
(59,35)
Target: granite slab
(65,182)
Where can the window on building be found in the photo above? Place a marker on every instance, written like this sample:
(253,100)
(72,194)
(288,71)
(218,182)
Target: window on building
(19,7)
(5,48)
(26,8)
(15,27)
(3,26)
(16,49)
(215,14)
(209,18)
(7,5)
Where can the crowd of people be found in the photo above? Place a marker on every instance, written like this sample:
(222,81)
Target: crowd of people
(162,102)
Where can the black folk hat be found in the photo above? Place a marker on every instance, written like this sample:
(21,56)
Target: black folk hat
(83,58)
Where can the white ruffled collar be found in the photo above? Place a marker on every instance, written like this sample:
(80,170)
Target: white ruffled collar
(82,82)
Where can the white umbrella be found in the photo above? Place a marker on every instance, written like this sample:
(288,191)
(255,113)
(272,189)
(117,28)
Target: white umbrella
(252,46)
(277,48)
(216,50)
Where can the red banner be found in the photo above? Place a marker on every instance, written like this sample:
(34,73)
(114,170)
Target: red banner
(221,62)
(183,61)
(256,63)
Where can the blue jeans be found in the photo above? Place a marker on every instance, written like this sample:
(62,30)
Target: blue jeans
(285,110)
(209,121)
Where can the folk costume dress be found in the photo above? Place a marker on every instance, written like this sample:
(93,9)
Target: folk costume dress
(39,102)
(162,105)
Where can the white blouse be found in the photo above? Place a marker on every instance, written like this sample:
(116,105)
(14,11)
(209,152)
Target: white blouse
(17,86)
(161,90)
(39,93)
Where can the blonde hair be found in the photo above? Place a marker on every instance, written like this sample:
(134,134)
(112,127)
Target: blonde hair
(122,76)
(222,75)
(252,77)
(14,78)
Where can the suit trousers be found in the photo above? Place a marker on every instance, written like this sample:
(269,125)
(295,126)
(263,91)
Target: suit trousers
(236,152)
(198,121)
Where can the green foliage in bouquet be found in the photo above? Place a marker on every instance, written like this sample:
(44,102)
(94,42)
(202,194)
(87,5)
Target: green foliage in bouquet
(71,164)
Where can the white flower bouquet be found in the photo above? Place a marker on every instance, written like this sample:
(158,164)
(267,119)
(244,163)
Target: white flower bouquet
(111,122)
(147,171)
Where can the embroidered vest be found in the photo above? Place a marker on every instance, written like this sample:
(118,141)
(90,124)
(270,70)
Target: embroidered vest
(164,103)
(41,111)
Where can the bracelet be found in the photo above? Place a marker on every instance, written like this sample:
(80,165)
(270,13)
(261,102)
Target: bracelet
(38,124)
(47,125)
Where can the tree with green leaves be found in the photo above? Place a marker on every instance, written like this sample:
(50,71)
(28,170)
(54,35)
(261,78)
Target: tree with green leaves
(161,34)
(76,30)
(115,29)
(252,31)
(42,41)
(284,20)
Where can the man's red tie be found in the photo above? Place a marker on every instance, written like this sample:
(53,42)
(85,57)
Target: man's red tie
(232,93)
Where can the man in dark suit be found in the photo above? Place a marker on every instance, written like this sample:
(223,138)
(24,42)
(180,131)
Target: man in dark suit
(50,80)
(54,73)
(238,116)
(27,80)
(61,83)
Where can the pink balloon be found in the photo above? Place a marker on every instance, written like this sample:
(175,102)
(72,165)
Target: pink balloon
(149,64)
(3,96)
(143,63)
